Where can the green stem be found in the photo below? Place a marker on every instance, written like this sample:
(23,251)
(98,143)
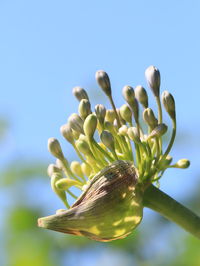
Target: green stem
(160,202)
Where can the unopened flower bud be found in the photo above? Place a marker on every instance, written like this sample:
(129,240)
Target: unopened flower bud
(83,147)
(128,94)
(52,169)
(67,133)
(90,125)
(183,163)
(110,207)
(152,75)
(126,113)
(123,130)
(103,81)
(76,168)
(100,111)
(76,123)
(133,134)
(80,93)
(66,183)
(107,139)
(149,118)
(158,131)
(169,103)
(110,115)
(141,96)
(55,148)
(87,170)
(84,108)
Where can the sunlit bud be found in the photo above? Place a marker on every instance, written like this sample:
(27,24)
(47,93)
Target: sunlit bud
(76,123)
(61,193)
(123,130)
(152,75)
(55,148)
(110,115)
(107,139)
(149,118)
(90,125)
(83,147)
(76,168)
(60,211)
(126,113)
(103,81)
(87,170)
(52,169)
(169,103)
(84,108)
(141,95)
(80,93)
(128,94)
(133,134)
(66,183)
(100,111)
(158,131)
(183,163)
(67,133)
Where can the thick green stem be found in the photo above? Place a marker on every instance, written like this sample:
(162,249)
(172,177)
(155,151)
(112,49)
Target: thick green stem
(160,202)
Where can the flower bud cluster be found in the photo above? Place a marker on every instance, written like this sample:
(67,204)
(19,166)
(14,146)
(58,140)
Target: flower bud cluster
(105,137)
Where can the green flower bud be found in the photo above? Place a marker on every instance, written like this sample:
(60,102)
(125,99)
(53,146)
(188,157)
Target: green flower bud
(100,111)
(103,81)
(158,131)
(76,123)
(87,170)
(84,108)
(183,163)
(169,104)
(67,133)
(110,208)
(133,134)
(123,130)
(149,118)
(52,169)
(90,125)
(76,168)
(66,183)
(128,94)
(126,113)
(55,148)
(108,140)
(152,75)
(80,93)
(83,147)
(141,96)
(110,115)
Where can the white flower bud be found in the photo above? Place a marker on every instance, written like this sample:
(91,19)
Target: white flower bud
(152,75)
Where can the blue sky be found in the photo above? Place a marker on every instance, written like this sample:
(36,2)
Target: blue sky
(48,47)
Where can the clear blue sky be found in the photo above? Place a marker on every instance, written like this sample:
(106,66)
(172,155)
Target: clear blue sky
(48,47)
